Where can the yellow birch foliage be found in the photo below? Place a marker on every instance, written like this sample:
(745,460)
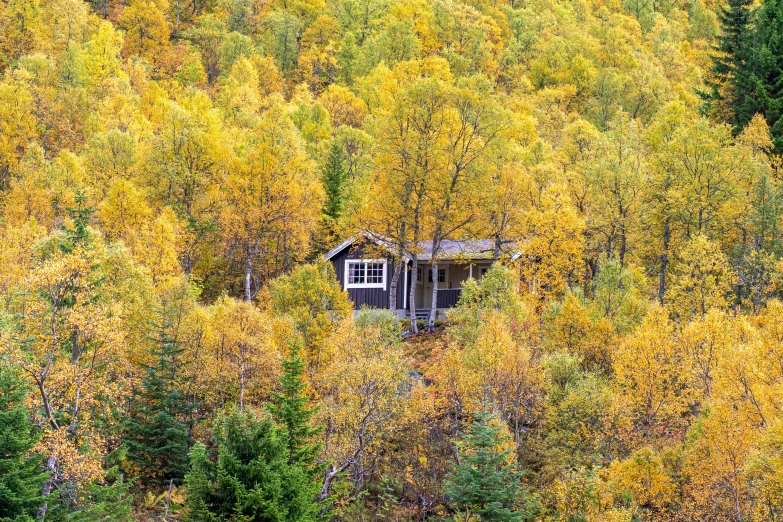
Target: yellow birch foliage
(645,477)
(238,360)
(70,336)
(553,245)
(651,379)
(702,279)
(360,396)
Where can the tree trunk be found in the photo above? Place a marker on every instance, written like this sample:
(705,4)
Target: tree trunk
(168,499)
(242,387)
(623,245)
(330,474)
(434,309)
(248,272)
(400,266)
(412,295)
(664,261)
(48,486)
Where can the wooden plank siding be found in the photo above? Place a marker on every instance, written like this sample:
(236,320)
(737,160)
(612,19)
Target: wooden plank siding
(372,297)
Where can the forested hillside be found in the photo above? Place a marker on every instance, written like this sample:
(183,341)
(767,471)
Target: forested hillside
(172,345)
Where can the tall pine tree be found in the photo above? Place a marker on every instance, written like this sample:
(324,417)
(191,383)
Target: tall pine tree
(158,430)
(730,60)
(291,411)
(21,476)
(747,68)
(334,177)
(761,85)
(485,484)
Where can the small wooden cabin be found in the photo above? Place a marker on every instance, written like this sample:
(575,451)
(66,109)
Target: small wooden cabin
(364,266)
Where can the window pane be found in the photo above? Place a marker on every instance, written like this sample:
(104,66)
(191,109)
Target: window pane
(441,275)
(355,273)
(375,273)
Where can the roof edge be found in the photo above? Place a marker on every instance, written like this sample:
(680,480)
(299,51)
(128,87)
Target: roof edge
(339,248)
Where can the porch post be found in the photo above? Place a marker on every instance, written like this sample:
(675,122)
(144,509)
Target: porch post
(405,286)
(470,271)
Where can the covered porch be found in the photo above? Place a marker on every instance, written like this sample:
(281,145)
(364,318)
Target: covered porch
(451,276)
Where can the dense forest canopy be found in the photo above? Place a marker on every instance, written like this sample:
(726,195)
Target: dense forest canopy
(173,345)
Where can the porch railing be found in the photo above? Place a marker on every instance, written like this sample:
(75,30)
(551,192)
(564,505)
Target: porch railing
(448,297)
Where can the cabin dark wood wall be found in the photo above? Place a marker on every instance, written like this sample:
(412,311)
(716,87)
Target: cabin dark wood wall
(372,297)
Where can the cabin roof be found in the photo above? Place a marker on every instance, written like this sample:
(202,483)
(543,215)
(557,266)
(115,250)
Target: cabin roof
(381,241)
(455,250)
(450,250)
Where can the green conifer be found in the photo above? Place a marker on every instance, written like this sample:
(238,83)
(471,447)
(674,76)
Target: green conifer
(158,430)
(334,177)
(760,83)
(730,57)
(21,475)
(80,216)
(290,409)
(485,484)
(251,479)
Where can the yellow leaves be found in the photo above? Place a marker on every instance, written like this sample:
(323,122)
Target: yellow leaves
(703,278)
(552,249)
(573,330)
(17,255)
(470,40)
(17,121)
(707,342)
(716,461)
(650,377)
(271,198)
(124,211)
(344,108)
(361,393)
(485,361)
(73,464)
(20,23)
(644,476)
(237,360)
(756,136)
(102,55)
(313,300)
(146,28)
(318,59)
(70,334)
(159,248)
(240,96)
(764,472)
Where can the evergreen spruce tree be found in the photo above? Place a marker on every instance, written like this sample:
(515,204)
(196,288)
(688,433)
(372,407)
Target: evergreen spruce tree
(731,56)
(80,216)
(334,177)
(290,409)
(747,69)
(21,476)
(251,479)
(760,84)
(484,484)
(106,500)
(158,430)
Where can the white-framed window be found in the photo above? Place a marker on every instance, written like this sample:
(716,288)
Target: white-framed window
(441,275)
(365,273)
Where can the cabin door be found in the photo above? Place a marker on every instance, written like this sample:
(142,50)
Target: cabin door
(427,284)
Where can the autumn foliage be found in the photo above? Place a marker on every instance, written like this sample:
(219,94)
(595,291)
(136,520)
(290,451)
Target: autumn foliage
(174,345)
